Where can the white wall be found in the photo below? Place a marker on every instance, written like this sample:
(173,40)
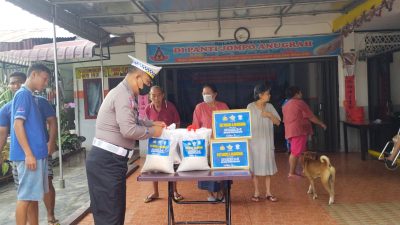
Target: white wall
(206,31)
(66,72)
(352,43)
(259,28)
(85,127)
(361,74)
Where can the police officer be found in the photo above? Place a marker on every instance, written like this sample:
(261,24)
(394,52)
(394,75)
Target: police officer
(117,128)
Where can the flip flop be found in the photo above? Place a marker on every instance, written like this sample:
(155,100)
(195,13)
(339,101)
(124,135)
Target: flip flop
(255,198)
(150,198)
(271,198)
(178,197)
(53,222)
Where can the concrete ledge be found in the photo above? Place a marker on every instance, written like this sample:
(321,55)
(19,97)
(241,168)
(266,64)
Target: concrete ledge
(80,213)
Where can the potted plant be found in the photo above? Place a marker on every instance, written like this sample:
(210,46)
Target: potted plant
(5,96)
(70,141)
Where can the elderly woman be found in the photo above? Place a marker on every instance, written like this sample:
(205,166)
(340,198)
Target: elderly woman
(202,117)
(162,110)
(263,118)
(297,117)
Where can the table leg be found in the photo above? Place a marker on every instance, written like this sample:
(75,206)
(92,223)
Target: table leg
(228,203)
(364,143)
(346,146)
(171,219)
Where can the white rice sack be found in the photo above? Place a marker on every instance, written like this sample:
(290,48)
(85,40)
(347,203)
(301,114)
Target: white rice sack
(160,153)
(194,149)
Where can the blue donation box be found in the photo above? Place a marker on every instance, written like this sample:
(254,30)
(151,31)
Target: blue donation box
(231,124)
(230,154)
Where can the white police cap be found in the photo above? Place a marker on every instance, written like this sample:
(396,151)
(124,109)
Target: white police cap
(151,70)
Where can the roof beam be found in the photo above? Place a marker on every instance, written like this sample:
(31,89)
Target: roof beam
(68,2)
(94,16)
(105,15)
(349,17)
(352,5)
(151,17)
(265,4)
(219,18)
(282,12)
(275,15)
(66,20)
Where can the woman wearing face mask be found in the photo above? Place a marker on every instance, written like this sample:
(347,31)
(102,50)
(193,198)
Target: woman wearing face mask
(202,117)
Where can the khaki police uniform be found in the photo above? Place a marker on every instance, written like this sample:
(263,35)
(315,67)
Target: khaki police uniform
(117,128)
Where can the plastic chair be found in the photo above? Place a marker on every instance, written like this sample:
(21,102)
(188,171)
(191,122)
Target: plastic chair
(394,140)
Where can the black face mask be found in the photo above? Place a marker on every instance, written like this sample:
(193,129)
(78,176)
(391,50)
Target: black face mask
(145,89)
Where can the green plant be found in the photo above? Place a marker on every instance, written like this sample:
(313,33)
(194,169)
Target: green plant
(5,96)
(5,166)
(68,141)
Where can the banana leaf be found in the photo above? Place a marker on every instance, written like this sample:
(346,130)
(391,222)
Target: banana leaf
(4,168)
(5,97)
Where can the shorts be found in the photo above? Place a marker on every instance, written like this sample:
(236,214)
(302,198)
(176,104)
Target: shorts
(50,172)
(298,145)
(31,184)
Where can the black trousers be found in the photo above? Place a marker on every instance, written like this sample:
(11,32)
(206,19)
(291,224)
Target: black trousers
(106,174)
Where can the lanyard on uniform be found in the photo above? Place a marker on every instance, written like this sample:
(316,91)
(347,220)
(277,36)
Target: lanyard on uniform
(132,100)
(124,82)
(132,96)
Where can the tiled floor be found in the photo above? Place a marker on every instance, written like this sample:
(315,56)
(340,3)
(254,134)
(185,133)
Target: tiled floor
(366,193)
(68,199)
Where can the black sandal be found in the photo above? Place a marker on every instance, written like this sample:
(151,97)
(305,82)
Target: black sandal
(53,222)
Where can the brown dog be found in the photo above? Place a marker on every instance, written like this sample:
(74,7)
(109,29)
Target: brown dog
(313,168)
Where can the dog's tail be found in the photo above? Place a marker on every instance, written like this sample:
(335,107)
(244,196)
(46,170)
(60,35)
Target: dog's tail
(325,159)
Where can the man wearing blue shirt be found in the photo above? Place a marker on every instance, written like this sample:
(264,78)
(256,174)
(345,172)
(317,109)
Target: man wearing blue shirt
(28,148)
(16,79)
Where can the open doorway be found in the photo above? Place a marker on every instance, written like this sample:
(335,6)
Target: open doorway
(382,90)
(316,78)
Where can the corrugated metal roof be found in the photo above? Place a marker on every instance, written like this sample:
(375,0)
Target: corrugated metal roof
(66,51)
(95,20)
(29,43)
(22,34)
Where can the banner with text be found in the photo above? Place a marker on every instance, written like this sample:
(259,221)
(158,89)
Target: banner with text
(231,124)
(229,154)
(158,146)
(270,48)
(194,148)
